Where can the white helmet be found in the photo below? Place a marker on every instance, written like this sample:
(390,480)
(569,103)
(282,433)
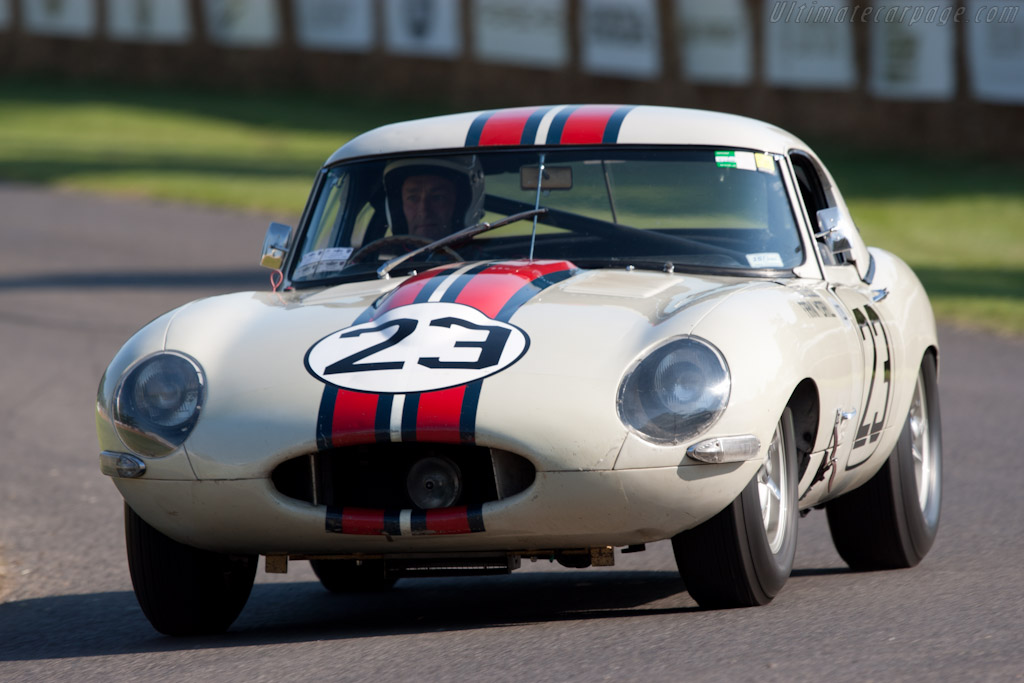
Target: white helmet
(464,171)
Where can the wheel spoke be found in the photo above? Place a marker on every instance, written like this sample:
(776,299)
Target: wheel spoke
(771,486)
(916,425)
(920,443)
(763,495)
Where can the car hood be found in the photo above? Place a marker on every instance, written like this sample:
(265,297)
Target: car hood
(521,356)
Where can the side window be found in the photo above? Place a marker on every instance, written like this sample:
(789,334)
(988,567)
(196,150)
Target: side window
(812,192)
(811,189)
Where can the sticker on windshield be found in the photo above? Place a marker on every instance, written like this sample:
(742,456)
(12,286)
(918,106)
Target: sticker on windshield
(741,160)
(416,348)
(322,261)
(765,260)
(764,163)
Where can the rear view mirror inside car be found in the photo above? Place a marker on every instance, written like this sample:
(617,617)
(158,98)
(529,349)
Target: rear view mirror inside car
(555,178)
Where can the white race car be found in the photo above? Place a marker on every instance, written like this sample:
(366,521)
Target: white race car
(542,332)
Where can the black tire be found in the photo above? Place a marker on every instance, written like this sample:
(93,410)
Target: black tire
(890,522)
(348,576)
(185,591)
(743,556)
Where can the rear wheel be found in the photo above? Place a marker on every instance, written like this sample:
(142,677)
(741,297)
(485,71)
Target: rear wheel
(182,590)
(891,521)
(352,576)
(743,556)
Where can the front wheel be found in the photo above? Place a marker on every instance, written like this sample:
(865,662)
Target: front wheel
(185,591)
(743,556)
(890,522)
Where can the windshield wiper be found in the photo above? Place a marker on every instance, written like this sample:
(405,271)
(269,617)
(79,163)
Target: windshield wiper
(455,238)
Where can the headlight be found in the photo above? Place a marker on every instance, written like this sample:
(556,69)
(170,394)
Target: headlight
(676,392)
(158,402)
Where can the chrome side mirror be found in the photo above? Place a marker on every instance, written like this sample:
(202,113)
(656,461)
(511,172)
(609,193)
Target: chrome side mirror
(275,246)
(834,230)
(841,241)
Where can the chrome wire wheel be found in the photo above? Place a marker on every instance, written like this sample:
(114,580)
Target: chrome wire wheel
(921,445)
(890,521)
(772,484)
(743,556)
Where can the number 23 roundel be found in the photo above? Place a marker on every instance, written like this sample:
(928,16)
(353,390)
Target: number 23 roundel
(415,348)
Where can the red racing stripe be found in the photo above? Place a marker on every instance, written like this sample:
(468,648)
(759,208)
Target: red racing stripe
(490,290)
(407,292)
(354,416)
(443,416)
(446,415)
(532,270)
(505,127)
(465,519)
(404,294)
(437,419)
(449,520)
(362,521)
(586,125)
(441,413)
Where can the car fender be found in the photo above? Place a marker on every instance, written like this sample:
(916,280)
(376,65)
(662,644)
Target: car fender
(147,341)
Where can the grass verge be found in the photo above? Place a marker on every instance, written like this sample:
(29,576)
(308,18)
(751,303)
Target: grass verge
(959,222)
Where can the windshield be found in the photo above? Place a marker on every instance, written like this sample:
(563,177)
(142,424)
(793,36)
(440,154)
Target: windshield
(696,209)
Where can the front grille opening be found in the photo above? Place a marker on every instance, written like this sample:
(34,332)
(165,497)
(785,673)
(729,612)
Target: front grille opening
(375,475)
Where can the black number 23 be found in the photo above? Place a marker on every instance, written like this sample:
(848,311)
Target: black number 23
(490,348)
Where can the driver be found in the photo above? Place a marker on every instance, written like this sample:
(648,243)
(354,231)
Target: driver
(428,202)
(430,198)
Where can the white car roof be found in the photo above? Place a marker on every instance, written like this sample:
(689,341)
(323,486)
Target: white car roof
(570,124)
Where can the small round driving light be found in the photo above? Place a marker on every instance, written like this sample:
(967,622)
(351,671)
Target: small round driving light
(434,483)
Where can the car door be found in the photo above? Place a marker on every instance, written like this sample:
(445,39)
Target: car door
(866,318)
(876,344)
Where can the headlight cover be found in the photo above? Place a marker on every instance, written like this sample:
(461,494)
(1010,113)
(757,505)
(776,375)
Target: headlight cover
(679,390)
(157,403)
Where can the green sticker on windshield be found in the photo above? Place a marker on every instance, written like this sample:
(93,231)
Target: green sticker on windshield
(731,159)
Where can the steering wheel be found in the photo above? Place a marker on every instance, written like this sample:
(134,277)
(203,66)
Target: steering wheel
(396,245)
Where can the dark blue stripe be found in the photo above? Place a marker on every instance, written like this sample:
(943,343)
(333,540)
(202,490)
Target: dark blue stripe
(529,290)
(433,283)
(409,410)
(545,281)
(382,421)
(532,124)
(463,280)
(558,124)
(334,519)
(467,420)
(476,128)
(525,293)
(392,523)
(419,521)
(367,315)
(611,129)
(475,517)
(325,418)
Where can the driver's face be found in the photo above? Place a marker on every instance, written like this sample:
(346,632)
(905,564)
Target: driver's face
(428,202)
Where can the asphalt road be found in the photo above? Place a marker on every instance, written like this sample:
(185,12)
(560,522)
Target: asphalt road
(79,274)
